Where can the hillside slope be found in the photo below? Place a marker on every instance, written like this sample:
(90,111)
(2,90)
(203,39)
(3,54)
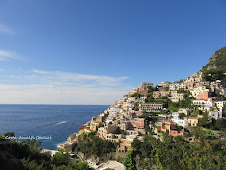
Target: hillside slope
(216,67)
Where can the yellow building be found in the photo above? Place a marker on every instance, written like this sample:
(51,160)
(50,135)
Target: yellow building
(193,121)
(94,126)
(133,91)
(87,130)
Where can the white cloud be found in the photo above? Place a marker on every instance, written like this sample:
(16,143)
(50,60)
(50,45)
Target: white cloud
(5,29)
(49,94)
(55,87)
(6,55)
(74,78)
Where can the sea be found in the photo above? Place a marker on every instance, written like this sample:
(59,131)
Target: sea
(50,124)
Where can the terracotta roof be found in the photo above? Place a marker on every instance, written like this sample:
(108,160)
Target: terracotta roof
(193,118)
(169,121)
(82,127)
(154,103)
(71,136)
(88,129)
(199,99)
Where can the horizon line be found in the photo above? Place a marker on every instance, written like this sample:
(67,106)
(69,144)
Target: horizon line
(57,104)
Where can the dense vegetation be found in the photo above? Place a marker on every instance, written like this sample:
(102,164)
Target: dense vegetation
(175,153)
(93,145)
(219,124)
(218,60)
(27,155)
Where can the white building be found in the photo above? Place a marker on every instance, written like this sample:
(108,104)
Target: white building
(203,104)
(164,84)
(215,114)
(177,120)
(175,97)
(220,104)
(198,90)
(145,84)
(177,86)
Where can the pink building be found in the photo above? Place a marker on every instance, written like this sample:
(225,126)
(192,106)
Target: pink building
(176,133)
(136,113)
(170,128)
(204,95)
(137,123)
(142,90)
(189,85)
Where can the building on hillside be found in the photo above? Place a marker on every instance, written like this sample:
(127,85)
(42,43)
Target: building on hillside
(101,117)
(137,123)
(135,113)
(177,86)
(131,99)
(164,93)
(193,121)
(177,120)
(87,130)
(175,132)
(71,139)
(141,99)
(124,145)
(204,95)
(103,131)
(143,87)
(215,114)
(175,97)
(133,91)
(170,128)
(205,83)
(220,104)
(151,107)
(199,90)
(189,85)
(124,125)
(164,84)
(138,113)
(95,125)
(145,84)
(203,104)
(186,111)
(156,94)
(114,137)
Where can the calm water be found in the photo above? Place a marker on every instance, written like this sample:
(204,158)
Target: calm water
(57,121)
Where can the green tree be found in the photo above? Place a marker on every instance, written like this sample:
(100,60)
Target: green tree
(9,134)
(204,120)
(82,166)
(61,158)
(181,115)
(129,161)
(136,144)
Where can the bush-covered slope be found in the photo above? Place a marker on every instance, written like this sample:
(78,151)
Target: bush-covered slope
(216,66)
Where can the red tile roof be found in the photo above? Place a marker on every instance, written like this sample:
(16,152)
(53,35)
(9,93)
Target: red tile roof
(82,127)
(88,129)
(193,118)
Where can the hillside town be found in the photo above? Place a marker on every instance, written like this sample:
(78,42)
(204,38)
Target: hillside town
(168,108)
(171,125)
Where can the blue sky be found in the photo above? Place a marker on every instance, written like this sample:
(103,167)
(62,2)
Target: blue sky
(95,51)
